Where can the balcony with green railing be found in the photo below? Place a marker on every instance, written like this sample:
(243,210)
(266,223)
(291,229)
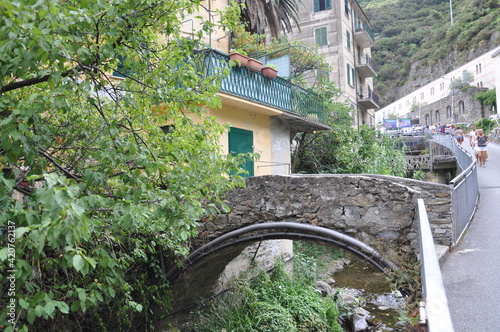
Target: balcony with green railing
(278,93)
(363,34)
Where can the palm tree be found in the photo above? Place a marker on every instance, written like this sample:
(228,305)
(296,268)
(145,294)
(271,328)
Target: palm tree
(275,15)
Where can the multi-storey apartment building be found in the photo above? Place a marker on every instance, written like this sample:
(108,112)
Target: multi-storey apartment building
(344,36)
(482,72)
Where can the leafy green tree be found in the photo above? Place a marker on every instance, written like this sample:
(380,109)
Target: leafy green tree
(95,198)
(345,149)
(487,97)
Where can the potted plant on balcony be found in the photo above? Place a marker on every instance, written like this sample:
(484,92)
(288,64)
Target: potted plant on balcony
(239,56)
(270,71)
(254,65)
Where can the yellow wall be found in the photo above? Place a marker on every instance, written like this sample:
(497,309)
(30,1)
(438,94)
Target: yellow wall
(260,126)
(219,39)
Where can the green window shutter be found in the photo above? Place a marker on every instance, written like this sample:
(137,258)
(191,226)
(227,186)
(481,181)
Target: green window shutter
(323,73)
(348,35)
(328,4)
(320,36)
(316,5)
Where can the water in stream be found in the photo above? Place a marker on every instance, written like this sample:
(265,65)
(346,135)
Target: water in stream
(366,282)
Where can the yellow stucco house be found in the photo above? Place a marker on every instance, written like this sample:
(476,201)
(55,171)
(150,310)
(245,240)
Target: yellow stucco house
(263,113)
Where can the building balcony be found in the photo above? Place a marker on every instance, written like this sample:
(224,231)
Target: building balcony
(366,67)
(363,35)
(368,100)
(303,109)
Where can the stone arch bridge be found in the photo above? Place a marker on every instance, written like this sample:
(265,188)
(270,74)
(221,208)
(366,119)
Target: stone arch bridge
(356,212)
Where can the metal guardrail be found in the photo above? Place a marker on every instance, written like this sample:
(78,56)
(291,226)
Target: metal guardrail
(435,312)
(465,193)
(278,93)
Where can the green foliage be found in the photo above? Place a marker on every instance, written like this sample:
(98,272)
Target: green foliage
(488,97)
(345,150)
(108,196)
(419,175)
(275,302)
(486,125)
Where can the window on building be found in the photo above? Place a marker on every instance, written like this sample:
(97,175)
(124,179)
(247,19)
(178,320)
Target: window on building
(438,117)
(320,5)
(427,120)
(414,99)
(346,6)
(461,107)
(323,73)
(448,111)
(480,70)
(441,86)
(348,39)
(421,96)
(320,36)
(350,75)
(407,103)
(432,91)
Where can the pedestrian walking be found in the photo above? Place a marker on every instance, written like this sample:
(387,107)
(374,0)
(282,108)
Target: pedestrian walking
(472,136)
(459,135)
(482,143)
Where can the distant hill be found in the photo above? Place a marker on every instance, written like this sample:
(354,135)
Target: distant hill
(416,43)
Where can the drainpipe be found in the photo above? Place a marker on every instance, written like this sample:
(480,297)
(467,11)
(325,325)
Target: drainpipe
(353,30)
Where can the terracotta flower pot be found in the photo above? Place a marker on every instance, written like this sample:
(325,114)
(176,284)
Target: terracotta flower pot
(269,72)
(254,65)
(240,59)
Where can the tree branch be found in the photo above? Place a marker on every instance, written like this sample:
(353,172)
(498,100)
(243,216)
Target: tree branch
(56,164)
(35,80)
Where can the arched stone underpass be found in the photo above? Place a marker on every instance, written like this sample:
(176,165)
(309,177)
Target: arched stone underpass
(194,280)
(379,211)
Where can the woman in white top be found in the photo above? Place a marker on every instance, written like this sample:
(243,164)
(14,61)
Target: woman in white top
(472,136)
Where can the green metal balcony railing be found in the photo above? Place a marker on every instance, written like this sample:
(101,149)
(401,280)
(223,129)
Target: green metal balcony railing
(278,93)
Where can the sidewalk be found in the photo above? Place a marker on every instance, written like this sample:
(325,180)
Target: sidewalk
(471,272)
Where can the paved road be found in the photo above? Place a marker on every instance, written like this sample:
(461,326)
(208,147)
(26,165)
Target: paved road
(471,273)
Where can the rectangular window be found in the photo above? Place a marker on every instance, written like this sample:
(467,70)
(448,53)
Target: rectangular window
(348,38)
(320,36)
(323,73)
(346,5)
(350,75)
(320,5)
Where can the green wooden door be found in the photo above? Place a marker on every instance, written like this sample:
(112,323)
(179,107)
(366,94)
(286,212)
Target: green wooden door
(241,141)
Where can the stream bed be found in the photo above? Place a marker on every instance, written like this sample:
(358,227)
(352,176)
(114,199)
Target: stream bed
(366,282)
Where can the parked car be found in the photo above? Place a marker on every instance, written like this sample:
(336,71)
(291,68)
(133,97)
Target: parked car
(393,132)
(494,117)
(406,131)
(418,130)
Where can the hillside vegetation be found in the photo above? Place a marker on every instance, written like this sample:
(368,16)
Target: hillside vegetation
(416,43)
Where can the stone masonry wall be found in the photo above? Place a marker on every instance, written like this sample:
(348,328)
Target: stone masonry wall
(367,207)
(472,109)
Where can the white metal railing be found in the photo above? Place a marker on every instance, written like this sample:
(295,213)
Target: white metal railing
(435,312)
(465,189)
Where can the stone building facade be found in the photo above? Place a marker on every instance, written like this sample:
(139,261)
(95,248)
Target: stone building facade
(458,107)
